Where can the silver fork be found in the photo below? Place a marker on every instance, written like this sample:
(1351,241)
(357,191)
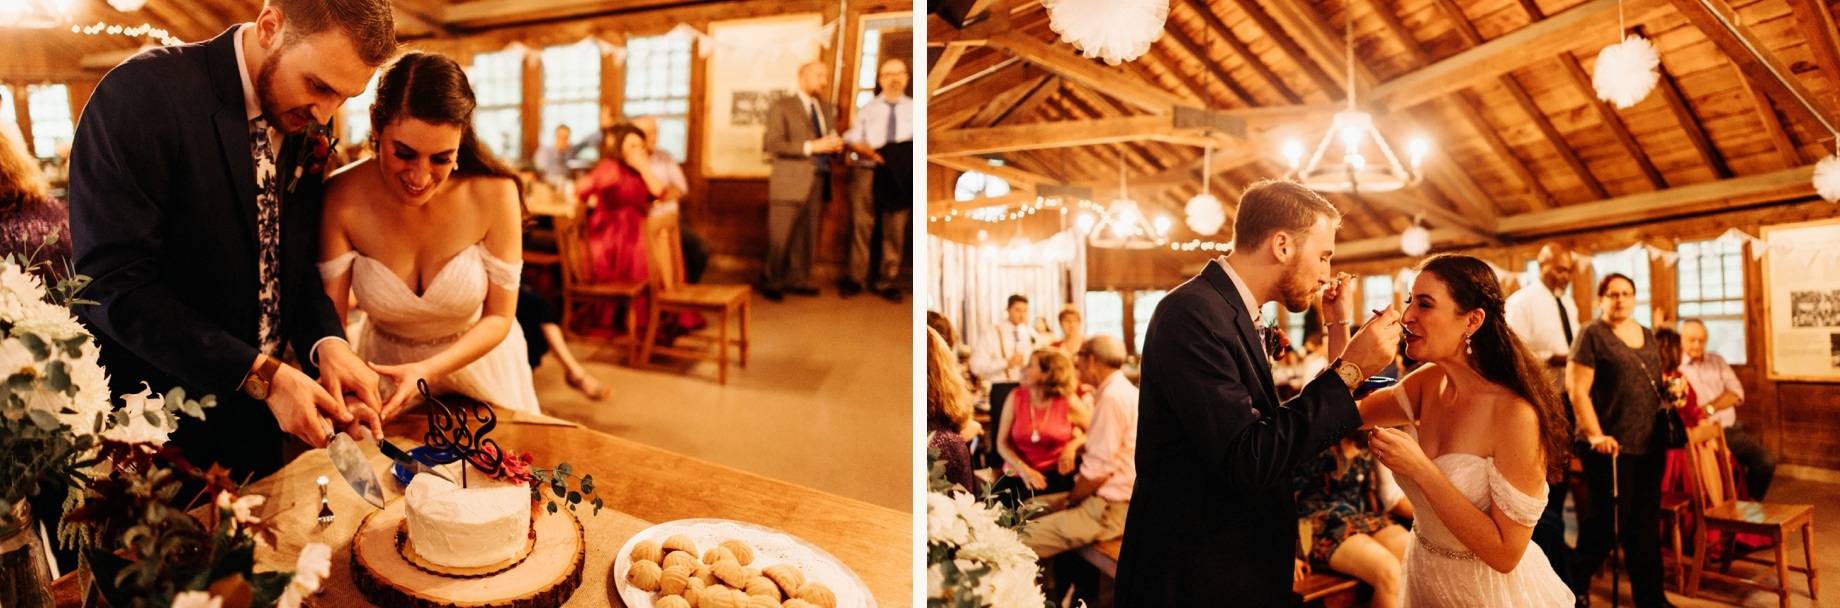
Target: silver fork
(325,508)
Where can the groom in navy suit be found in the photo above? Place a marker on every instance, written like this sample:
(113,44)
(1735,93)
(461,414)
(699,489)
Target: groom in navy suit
(1213,520)
(194,206)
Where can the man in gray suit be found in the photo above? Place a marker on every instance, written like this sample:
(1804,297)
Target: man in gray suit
(802,139)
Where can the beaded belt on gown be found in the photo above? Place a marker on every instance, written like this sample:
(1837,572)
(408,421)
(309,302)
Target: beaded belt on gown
(1437,549)
(435,341)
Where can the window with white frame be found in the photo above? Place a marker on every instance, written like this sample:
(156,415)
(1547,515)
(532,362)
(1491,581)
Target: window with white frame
(1141,309)
(868,66)
(49,107)
(1632,263)
(498,83)
(572,90)
(1376,294)
(1104,314)
(658,85)
(1711,277)
(358,115)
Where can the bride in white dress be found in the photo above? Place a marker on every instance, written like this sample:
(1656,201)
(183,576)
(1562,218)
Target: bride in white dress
(1483,431)
(426,234)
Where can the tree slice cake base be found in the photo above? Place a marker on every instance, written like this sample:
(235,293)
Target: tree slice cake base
(415,559)
(545,578)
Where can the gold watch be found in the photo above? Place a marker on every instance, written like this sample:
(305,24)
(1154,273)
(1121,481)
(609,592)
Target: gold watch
(261,379)
(1349,373)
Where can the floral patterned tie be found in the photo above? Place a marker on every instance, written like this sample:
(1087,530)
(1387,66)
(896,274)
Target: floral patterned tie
(268,235)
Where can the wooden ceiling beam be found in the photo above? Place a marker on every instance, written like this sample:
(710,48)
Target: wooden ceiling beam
(1779,137)
(1400,32)
(1009,173)
(1706,197)
(1073,99)
(1009,102)
(1218,30)
(967,102)
(1389,245)
(1608,116)
(488,13)
(1533,10)
(1689,123)
(1035,136)
(1109,81)
(1016,198)
(1762,67)
(1435,215)
(1325,43)
(1546,127)
(1483,63)
(1329,85)
(1196,91)
(1817,23)
(948,59)
(1459,21)
(1541,199)
(1207,62)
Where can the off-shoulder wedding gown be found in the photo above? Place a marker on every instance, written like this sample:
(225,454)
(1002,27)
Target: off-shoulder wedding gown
(402,327)
(1440,571)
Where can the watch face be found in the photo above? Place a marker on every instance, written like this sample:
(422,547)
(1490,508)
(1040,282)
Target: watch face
(258,389)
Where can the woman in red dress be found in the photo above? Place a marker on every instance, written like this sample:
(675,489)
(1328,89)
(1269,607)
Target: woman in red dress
(618,194)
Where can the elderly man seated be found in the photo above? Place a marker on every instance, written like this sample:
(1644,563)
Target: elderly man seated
(1095,510)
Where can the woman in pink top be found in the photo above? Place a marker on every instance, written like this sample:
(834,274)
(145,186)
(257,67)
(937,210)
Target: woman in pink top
(1042,428)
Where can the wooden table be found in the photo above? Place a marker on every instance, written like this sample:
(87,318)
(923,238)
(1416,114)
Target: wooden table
(641,485)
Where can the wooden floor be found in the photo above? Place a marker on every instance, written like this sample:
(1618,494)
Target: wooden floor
(826,401)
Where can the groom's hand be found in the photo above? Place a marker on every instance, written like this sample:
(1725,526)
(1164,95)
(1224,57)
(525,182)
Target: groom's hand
(1373,347)
(302,407)
(342,373)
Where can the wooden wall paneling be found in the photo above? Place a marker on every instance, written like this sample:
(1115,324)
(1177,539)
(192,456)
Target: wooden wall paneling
(1216,30)
(23,114)
(80,91)
(1607,116)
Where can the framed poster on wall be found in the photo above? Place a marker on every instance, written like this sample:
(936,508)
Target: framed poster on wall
(1801,300)
(755,63)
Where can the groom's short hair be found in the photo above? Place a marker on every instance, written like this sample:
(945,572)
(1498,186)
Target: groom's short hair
(1274,206)
(366,22)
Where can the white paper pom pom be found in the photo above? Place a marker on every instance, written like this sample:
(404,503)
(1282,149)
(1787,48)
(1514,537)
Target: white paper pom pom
(1205,214)
(1415,241)
(1626,71)
(1827,178)
(1113,30)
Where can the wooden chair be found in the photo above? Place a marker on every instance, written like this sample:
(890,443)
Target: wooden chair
(1715,499)
(1675,506)
(671,294)
(579,288)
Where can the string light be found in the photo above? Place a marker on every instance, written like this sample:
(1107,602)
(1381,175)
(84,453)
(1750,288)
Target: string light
(1003,213)
(142,30)
(1201,245)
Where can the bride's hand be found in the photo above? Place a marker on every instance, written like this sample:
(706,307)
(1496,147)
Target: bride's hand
(1395,449)
(406,377)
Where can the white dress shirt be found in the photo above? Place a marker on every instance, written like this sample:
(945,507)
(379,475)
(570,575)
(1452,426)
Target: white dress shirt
(1710,376)
(871,128)
(1533,314)
(811,106)
(1245,293)
(1111,445)
(990,360)
(667,169)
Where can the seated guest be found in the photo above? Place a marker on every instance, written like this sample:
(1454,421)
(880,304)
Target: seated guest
(696,251)
(1072,334)
(1095,509)
(948,412)
(618,195)
(1042,428)
(552,161)
(1349,538)
(1719,390)
(28,214)
(544,335)
(1676,392)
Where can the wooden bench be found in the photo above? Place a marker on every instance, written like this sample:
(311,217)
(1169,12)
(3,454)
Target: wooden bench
(1320,588)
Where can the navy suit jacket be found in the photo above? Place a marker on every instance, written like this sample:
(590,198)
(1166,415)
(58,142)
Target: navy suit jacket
(1213,521)
(163,219)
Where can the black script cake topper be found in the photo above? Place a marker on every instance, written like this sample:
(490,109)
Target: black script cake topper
(451,439)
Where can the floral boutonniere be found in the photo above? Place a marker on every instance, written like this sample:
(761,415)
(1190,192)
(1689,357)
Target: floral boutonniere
(1276,343)
(311,157)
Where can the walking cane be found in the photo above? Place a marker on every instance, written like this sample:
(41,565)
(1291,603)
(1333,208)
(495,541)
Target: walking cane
(1616,529)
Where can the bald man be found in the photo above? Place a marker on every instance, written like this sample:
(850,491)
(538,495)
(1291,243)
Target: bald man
(1547,321)
(696,251)
(803,143)
(1101,497)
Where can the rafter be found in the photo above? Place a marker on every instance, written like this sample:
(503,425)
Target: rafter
(1766,114)
(1758,64)
(1434,214)
(1696,133)
(1009,173)
(1541,199)
(1553,136)
(1459,21)
(1608,116)
(948,59)
(1207,62)
(1218,30)
(1326,44)
(964,102)
(1329,85)
(1817,25)
(994,140)
(1009,102)
(1400,32)
(1192,87)
(1109,81)
(474,15)
(1706,197)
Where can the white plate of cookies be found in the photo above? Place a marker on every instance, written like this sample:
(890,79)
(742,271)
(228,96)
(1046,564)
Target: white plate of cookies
(724,563)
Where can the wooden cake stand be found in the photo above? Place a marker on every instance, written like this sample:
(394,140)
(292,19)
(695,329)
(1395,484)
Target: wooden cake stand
(544,578)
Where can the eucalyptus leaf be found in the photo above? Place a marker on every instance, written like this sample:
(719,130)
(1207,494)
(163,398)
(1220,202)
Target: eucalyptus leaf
(563,470)
(574,497)
(598,503)
(40,350)
(57,377)
(46,421)
(587,484)
(552,507)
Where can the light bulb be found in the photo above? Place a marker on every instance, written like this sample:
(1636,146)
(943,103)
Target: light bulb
(1357,161)
(1162,225)
(1084,222)
(983,236)
(1419,148)
(1293,153)
(1351,137)
(1121,229)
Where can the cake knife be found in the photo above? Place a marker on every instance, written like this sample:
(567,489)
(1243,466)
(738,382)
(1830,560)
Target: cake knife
(355,468)
(409,462)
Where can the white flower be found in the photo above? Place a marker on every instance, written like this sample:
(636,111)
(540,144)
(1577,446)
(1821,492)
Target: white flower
(245,508)
(314,566)
(138,430)
(224,499)
(1010,588)
(196,599)
(291,597)
(48,320)
(943,523)
(935,582)
(15,281)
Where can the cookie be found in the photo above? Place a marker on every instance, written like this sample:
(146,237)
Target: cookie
(644,575)
(818,594)
(743,553)
(647,551)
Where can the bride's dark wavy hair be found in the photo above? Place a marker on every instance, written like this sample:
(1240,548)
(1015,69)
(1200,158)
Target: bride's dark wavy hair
(432,88)
(1500,356)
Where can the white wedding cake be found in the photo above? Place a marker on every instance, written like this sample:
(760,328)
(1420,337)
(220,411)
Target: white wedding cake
(486,523)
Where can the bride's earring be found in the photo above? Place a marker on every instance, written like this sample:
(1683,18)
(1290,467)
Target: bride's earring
(1467,347)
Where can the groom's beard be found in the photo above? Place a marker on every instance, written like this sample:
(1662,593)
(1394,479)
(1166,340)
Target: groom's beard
(1295,288)
(265,94)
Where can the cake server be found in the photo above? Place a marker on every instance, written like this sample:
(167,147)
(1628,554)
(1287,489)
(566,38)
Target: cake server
(355,468)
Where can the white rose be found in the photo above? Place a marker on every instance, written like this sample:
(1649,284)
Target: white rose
(245,508)
(196,599)
(943,523)
(1011,588)
(314,566)
(138,430)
